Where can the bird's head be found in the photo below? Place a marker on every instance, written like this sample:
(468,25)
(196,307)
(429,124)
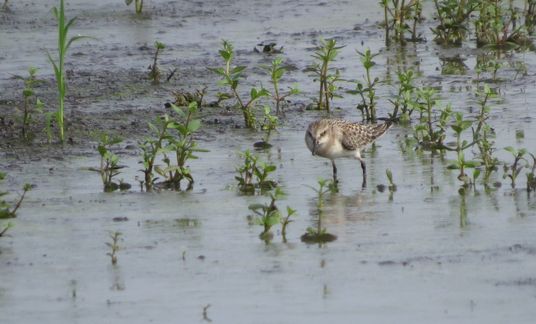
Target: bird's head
(317,135)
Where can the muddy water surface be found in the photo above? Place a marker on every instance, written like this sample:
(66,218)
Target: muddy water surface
(399,258)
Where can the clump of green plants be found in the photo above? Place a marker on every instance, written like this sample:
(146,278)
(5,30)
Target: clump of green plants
(230,78)
(268,215)
(59,66)
(154,70)
(9,210)
(513,170)
(319,233)
(268,125)
(182,145)
(530,16)
(428,132)
(397,13)
(461,163)
(482,135)
(405,101)
(185,98)
(114,246)
(453,17)
(109,163)
(367,90)
(138,4)
(325,54)
(31,103)
(276,71)
(172,136)
(253,174)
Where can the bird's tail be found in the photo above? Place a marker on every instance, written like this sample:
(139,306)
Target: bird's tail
(379,130)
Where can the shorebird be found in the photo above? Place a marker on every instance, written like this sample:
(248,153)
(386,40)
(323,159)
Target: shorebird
(335,138)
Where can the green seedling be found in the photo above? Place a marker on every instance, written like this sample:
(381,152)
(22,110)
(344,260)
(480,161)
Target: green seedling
(429,133)
(324,55)
(6,209)
(152,147)
(30,102)
(268,125)
(267,215)
(367,90)
(154,70)
(253,174)
(109,163)
(114,246)
(396,13)
(59,66)
(320,234)
(460,125)
(137,3)
(276,72)
(230,77)
(182,145)
(531,176)
(482,135)
(453,17)
(285,221)
(405,102)
(513,170)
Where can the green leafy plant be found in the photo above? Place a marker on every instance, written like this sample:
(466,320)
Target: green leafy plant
(182,145)
(325,54)
(319,234)
(154,70)
(9,210)
(268,125)
(30,102)
(405,101)
(513,170)
(428,132)
(531,176)
(137,3)
(109,163)
(285,221)
(253,174)
(114,246)
(59,66)
(267,215)
(367,90)
(152,146)
(396,15)
(231,76)
(459,126)
(453,17)
(276,72)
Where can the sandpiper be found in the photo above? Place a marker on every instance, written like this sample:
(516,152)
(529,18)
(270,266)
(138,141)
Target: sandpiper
(335,138)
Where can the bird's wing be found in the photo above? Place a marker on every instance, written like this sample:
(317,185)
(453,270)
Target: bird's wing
(356,136)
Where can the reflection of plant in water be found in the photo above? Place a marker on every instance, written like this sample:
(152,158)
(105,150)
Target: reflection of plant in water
(320,234)
(114,246)
(6,211)
(231,76)
(325,54)
(513,170)
(367,91)
(154,70)
(463,209)
(453,66)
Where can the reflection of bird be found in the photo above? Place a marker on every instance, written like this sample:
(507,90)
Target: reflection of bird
(334,138)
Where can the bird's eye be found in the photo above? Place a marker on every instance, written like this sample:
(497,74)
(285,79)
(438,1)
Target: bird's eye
(322,134)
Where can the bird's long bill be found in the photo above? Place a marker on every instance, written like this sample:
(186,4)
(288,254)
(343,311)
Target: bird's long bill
(314,148)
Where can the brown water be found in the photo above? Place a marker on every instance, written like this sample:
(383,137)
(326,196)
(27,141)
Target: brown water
(405,259)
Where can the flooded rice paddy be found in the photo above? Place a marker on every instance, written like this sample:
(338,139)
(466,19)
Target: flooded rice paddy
(424,253)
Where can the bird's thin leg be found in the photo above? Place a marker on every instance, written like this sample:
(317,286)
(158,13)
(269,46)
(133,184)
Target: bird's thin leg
(334,171)
(364,168)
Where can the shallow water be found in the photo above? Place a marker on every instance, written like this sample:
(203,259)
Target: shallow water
(400,259)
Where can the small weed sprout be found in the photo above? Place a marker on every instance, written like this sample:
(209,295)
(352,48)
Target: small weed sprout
(182,145)
(253,174)
(154,70)
(320,234)
(513,170)
(531,176)
(324,55)
(137,3)
(152,147)
(109,163)
(30,102)
(285,221)
(268,125)
(431,136)
(405,101)
(459,126)
(59,70)
(367,90)
(267,215)
(230,77)
(114,246)
(6,209)
(276,72)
